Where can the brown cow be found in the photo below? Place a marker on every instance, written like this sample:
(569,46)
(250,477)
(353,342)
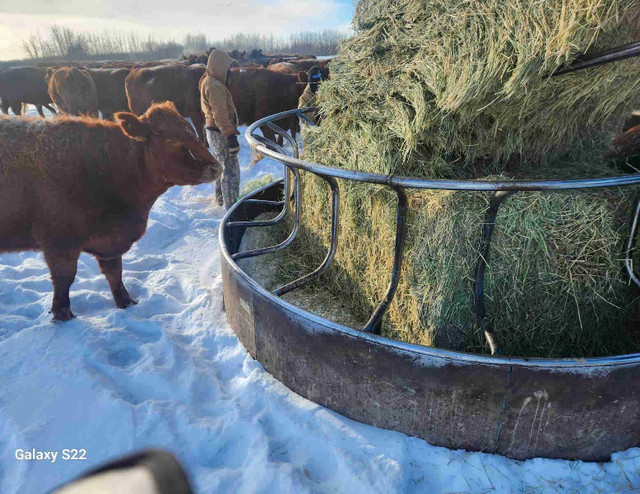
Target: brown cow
(258,93)
(305,64)
(73,91)
(250,63)
(72,185)
(631,121)
(112,96)
(26,85)
(284,68)
(177,83)
(625,145)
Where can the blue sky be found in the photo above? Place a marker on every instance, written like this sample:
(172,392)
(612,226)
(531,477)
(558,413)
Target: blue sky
(163,19)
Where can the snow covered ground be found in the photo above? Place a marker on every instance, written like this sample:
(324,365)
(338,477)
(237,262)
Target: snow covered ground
(169,372)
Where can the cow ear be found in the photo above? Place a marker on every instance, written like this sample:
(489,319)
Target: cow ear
(131,125)
(303,77)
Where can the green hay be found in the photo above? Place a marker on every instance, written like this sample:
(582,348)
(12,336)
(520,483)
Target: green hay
(460,89)
(256,183)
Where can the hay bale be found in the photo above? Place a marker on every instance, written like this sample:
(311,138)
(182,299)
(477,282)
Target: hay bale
(460,89)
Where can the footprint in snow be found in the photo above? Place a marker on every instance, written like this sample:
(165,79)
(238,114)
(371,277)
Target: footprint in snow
(125,357)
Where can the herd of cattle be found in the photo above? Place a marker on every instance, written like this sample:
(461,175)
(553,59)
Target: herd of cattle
(257,91)
(81,184)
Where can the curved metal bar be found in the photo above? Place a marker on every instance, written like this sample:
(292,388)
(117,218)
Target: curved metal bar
(373,325)
(292,236)
(450,356)
(270,144)
(483,259)
(285,209)
(607,56)
(307,119)
(502,189)
(440,184)
(332,248)
(628,263)
(265,203)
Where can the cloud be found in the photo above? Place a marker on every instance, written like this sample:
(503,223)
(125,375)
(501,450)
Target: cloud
(163,20)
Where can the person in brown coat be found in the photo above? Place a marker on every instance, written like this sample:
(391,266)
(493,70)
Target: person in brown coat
(314,77)
(221,125)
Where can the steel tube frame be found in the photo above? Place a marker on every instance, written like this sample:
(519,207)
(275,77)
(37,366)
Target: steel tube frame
(375,321)
(630,243)
(517,407)
(285,209)
(292,235)
(294,285)
(501,189)
(483,259)
(607,56)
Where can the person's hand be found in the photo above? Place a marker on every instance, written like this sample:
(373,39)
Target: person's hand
(233,144)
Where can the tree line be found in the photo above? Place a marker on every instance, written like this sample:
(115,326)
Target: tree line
(64,42)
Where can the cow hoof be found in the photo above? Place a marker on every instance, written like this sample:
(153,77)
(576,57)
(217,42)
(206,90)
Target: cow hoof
(124,303)
(62,315)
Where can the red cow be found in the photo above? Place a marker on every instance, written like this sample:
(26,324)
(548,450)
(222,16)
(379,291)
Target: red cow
(625,145)
(176,83)
(112,96)
(72,185)
(284,68)
(258,93)
(73,91)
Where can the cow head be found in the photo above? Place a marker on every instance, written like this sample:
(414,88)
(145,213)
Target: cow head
(173,151)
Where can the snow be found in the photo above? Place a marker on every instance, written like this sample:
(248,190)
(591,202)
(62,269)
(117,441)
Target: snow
(169,372)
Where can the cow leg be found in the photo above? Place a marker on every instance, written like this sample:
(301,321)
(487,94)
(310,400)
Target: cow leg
(5,106)
(62,266)
(40,112)
(269,134)
(294,127)
(51,109)
(112,270)
(16,108)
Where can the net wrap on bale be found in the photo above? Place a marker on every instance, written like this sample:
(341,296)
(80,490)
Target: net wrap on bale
(462,89)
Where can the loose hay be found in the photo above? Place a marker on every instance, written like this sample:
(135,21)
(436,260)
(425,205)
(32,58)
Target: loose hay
(460,89)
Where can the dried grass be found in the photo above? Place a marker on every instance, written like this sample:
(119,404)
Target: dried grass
(459,89)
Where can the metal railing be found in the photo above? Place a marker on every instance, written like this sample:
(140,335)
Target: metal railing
(501,189)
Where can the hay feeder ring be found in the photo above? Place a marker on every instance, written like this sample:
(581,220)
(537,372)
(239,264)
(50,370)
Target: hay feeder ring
(517,407)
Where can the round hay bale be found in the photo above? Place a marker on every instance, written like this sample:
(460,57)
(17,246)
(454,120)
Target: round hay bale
(461,89)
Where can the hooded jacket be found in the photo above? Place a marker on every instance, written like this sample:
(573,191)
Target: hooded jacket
(308,98)
(215,99)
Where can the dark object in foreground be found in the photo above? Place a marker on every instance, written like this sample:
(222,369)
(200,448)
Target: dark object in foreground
(72,185)
(152,471)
